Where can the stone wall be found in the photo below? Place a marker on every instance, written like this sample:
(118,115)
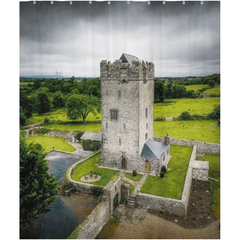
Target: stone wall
(202,147)
(173,206)
(200,170)
(60,134)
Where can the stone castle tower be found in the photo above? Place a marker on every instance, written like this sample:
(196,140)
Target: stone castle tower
(127,95)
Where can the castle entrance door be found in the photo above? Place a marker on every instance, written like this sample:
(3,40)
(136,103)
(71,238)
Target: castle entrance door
(124,164)
(147,166)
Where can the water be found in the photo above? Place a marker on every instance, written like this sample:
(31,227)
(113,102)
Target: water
(59,222)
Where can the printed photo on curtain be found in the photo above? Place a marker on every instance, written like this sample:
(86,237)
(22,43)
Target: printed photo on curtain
(119,119)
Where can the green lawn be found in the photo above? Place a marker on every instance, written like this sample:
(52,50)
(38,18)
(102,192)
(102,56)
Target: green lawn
(174,107)
(202,130)
(214,167)
(60,114)
(91,127)
(47,143)
(90,165)
(215,90)
(195,88)
(171,185)
(134,178)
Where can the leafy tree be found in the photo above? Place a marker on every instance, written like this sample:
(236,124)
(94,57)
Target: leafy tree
(23,118)
(37,84)
(80,105)
(26,105)
(43,103)
(159,90)
(185,115)
(38,188)
(211,83)
(58,100)
(169,90)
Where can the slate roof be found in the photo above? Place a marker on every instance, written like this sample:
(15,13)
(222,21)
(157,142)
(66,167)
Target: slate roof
(127,58)
(152,149)
(93,136)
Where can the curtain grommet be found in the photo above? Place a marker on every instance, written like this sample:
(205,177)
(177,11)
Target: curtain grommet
(128,2)
(201,2)
(109,2)
(183,2)
(148,3)
(164,2)
(34,2)
(70,2)
(52,2)
(90,2)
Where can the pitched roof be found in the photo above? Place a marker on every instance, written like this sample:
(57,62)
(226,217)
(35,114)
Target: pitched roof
(153,149)
(93,136)
(127,58)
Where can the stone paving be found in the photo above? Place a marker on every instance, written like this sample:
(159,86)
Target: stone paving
(136,184)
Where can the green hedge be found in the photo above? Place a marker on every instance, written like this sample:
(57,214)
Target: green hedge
(90,145)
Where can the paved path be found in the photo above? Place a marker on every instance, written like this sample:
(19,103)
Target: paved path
(79,151)
(136,184)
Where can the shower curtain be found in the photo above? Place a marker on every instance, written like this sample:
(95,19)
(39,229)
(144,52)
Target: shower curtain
(62,44)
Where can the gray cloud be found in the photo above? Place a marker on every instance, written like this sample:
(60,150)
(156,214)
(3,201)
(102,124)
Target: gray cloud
(182,39)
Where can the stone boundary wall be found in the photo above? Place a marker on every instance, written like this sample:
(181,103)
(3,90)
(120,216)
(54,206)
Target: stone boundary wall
(96,220)
(94,223)
(200,170)
(173,206)
(80,186)
(60,134)
(202,147)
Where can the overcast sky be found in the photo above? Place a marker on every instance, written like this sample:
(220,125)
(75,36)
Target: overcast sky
(182,40)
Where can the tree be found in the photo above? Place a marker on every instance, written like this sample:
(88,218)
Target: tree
(80,105)
(26,105)
(37,84)
(23,118)
(211,83)
(43,103)
(159,90)
(58,100)
(38,188)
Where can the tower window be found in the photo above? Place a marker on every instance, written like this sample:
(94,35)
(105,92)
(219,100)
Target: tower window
(146,136)
(146,112)
(119,93)
(124,126)
(146,125)
(106,125)
(120,142)
(114,114)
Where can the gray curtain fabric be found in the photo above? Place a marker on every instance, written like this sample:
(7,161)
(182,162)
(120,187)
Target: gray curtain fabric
(72,39)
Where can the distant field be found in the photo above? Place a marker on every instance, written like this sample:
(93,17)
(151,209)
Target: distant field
(204,131)
(47,143)
(174,107)
(215,90)
(195,88)
(60,114)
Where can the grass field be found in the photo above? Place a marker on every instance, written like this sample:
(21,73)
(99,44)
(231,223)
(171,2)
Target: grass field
(171,185)
(215,90)
(214,167)
(202,130)
(195,88)
(174,107)
(47,143)
(90,165)
(60,114)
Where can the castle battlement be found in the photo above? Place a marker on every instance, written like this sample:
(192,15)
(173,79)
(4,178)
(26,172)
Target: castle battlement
(124,72)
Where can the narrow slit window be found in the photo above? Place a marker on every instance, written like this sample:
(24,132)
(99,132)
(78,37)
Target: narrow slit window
(146,136)
(114,114)
(120,142)
(146,112)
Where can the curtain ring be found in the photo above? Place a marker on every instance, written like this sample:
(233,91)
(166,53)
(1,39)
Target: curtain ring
(70,2)
(109,2)
(128,1)
(148,2)
(164,2)
(52,2)
(183,2)
(34,2)
(90,2)
(201,2)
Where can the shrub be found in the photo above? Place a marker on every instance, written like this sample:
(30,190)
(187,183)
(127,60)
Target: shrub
(96,191)
(115,215)
(88,144)
(160,119)
(78,135)
(123,200)
(38,146)
(46,121)
(185,115)
(163,169)
(65,185)
(211,83)
(99,199)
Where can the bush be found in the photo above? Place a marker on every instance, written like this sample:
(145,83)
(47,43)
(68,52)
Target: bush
(115,215)
(78,135)
(160,119)
(65,185)
(211,83)
(185,115)
(123,200)
(163,169)
(46,121)
(96,191)
(99,199)
(88,144)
